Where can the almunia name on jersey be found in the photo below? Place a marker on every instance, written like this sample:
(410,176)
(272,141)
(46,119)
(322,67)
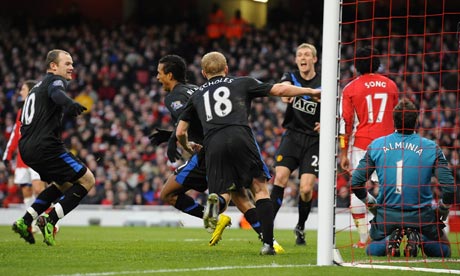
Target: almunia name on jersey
(402,145)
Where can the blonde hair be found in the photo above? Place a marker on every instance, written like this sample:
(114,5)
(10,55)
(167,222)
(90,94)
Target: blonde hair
(213,64)
(308,46)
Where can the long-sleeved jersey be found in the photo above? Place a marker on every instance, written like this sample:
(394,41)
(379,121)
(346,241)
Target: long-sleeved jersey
(13,142)
(404,165)
(370,100)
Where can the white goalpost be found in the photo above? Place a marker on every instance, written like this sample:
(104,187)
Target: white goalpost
(327,145)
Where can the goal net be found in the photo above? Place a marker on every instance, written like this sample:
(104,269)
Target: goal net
(418,45)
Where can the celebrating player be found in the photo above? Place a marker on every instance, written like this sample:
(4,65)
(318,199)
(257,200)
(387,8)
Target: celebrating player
(43,150)
(299,146)
(192,175)
(233,160)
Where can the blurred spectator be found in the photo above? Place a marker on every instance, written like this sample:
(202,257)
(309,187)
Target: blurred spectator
(115,131)
(216,22)
(87,97)
(93,197)
(237,26)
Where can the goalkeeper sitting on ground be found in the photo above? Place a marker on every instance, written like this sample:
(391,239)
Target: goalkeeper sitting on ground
(405,163)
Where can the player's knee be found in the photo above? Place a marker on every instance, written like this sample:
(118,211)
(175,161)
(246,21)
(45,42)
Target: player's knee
(306,189)
(167,197)
(87,180)
(282,176)
(436,249)
(376,248)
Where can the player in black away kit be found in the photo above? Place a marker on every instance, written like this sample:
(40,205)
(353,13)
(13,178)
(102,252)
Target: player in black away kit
(299,147)
(191,175)
(233,160)
(43,150)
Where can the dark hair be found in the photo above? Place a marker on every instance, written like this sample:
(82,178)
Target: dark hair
(53,56)
(176,65)
(366,60)
(30,84)
(405,116)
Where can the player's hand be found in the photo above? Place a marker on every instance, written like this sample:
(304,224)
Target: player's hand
(172,152)
(193,147)
(442,212)
(344,162)
(371,204)
(317,127)
(159,136)
(7,165)
(315,95)
(75,109)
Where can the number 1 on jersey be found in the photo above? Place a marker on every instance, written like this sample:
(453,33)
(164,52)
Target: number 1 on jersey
(399,168)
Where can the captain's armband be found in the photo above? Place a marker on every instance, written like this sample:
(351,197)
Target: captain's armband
(343,141)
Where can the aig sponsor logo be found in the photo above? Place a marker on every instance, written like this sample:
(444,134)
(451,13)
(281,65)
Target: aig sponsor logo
(304,105)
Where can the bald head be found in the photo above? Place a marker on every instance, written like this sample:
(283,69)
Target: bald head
(214,64)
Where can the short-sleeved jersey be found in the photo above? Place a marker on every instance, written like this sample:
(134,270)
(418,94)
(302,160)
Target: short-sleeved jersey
(175,101)
(405,165)
(224,101)
(302,114)
(41,117)
(370,100)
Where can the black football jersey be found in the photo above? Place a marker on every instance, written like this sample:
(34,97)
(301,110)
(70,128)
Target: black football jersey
(302,114)
(176,101)
(224,101)
(41,117)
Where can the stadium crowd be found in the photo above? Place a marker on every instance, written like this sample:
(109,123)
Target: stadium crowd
(115,78)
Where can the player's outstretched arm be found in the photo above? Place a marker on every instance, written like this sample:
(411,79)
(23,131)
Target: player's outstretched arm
(60,98)
(287,90)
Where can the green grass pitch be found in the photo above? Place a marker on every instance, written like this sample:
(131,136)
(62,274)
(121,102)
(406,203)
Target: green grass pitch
(176,251)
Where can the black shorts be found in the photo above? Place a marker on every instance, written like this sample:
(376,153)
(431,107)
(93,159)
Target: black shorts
(53,163)
(192,175)
(298,150)
(233,159)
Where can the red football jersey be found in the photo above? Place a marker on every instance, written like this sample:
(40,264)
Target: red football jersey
(370,100)
(12,144)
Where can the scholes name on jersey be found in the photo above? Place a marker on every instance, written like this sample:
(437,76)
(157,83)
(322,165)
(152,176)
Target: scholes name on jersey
(216,81)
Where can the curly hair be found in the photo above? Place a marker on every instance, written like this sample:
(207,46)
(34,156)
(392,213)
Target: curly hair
(366,60)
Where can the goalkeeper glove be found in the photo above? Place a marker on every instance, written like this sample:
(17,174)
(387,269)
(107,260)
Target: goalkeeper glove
(160,136)
(172,152)
(75,109)
(371,204)
(442,212)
